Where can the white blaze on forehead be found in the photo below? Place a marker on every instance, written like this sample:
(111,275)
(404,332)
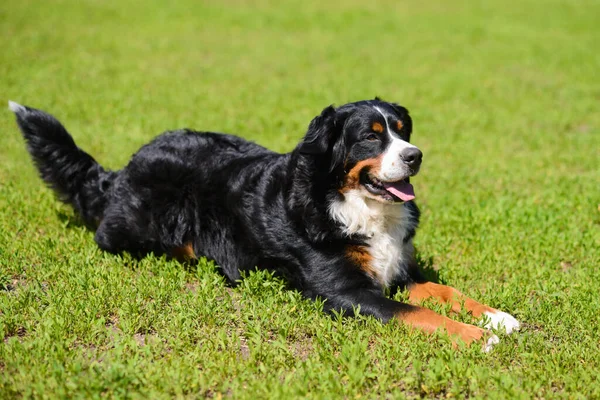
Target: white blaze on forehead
(392,167)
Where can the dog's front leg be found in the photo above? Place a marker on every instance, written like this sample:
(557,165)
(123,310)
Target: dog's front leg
(446,294)
(373,302)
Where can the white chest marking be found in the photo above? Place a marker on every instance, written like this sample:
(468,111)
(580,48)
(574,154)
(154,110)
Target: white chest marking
(385,226)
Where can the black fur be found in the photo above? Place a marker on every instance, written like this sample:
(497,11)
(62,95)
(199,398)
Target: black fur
(73,174)
(237,203)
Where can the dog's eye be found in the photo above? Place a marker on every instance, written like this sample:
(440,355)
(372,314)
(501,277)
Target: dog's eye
(372,137)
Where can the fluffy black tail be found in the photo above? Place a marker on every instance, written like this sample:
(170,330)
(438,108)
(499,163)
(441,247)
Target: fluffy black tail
(73,174)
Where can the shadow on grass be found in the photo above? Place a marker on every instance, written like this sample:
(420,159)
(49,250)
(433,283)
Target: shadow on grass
(71,220)
(428,269)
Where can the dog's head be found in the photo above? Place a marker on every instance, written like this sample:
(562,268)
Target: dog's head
(366,145)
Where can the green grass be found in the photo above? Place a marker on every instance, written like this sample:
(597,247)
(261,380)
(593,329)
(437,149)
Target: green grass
(504,97)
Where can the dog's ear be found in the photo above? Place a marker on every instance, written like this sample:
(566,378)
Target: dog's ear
(403,115)
(338,155)
(321,133)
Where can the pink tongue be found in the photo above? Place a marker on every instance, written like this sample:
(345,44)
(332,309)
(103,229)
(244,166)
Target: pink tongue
(403,190)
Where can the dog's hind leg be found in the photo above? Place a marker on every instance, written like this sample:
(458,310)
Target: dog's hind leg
(116,235)
(183,253)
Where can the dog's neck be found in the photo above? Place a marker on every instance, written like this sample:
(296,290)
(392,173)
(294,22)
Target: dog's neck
(388,230)
(359,215)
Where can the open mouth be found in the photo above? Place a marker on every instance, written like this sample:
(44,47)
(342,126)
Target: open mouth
(398,191)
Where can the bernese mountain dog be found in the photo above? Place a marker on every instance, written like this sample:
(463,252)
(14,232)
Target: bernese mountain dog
(335,216)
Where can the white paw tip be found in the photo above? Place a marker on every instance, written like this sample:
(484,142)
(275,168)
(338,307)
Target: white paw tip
(492,341)
(15,107)
(497,319)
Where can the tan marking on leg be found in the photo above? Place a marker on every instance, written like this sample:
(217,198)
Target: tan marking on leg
(446,294)
(360,256)
(184,253)
(429,321)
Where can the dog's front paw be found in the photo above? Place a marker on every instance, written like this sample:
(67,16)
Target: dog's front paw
(471,333)
(490,343)
(497,319)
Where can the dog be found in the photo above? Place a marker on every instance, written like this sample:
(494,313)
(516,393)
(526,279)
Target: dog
(336,216)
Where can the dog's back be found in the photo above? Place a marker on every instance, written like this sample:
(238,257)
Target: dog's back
(182,187)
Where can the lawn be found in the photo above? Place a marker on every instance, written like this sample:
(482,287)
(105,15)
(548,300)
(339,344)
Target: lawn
(504,96)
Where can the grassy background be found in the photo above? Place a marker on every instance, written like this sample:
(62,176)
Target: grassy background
(504,95)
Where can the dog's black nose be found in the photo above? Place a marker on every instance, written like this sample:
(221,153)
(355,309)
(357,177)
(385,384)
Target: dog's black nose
(412,157)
